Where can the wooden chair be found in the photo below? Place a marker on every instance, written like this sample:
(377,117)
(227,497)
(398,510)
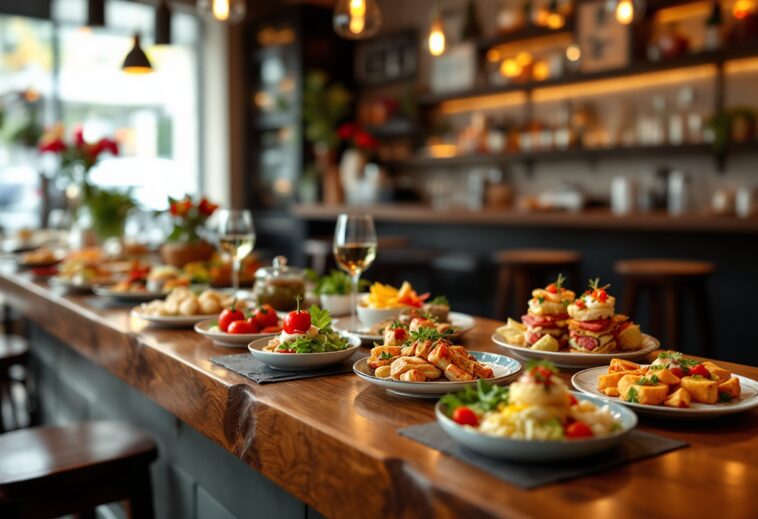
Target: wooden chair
(666,280)
(14,351)
(519,271)
(54,471)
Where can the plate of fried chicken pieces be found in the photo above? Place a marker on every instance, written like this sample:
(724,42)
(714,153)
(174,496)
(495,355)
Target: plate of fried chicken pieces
(428,364)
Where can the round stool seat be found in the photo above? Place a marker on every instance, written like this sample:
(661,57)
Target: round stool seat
(13,350)
(42,454)
(537,257)
(664,268)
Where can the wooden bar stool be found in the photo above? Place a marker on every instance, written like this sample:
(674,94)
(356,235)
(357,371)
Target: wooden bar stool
(665,280)
(14,351)
(522,270)
(54,471)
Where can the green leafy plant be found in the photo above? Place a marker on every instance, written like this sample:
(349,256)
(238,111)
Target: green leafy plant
(336,283)
(325,104)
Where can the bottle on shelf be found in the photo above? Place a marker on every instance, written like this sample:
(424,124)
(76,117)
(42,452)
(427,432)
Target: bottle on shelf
(714,28)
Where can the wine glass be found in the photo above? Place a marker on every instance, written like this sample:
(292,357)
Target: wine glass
(354,250)
(236,238)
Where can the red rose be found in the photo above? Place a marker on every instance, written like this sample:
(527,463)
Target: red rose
(366,141)
(180,208)
(206,208)
(347,131)
(79,137)
(53,146)
(106,144)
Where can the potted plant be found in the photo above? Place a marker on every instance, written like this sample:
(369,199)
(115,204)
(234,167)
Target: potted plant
(184,244)
(107,208)
(324,106)
(334,292)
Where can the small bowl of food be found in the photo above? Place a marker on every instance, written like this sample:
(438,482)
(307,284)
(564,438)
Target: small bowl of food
(385,302)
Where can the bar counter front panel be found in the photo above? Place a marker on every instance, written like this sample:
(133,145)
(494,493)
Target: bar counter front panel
(331,442)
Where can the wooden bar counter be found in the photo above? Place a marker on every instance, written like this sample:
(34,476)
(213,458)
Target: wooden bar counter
(332,442)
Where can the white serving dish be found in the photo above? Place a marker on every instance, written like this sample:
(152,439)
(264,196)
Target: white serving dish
(572,359)
(336,304)
(106,291)
(586,382)
(302,361)
(368,317)
(462,323)
(169,321)
(538,451)
(505,369)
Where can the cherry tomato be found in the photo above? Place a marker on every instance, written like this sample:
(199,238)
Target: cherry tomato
(400,334)
(297,321)
(270,329)
(552,288)
(265,316)
(228,316)
(253,324)
(578,430)
(572,400)
(465,416)
(700,370)
(241,327)
(678,372)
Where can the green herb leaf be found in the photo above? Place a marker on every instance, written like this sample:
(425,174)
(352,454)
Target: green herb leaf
(320,318)
(632,396)
(385,356)
(440,300)
(724,397)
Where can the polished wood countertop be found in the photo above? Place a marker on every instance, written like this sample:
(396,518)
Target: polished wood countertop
(333,441)
(586,219)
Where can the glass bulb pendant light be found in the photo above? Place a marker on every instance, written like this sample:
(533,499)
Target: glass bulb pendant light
(627,12)
(357,19)
(227,11)
(436,39)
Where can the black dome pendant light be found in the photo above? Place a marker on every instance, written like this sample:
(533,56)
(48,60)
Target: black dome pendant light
(137,62)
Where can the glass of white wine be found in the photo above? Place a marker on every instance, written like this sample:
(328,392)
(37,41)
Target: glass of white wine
(236,238)
(354,250)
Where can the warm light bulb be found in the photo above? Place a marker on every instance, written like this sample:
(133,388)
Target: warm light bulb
(555,20)
(357,19)
(625,12)
(436,39)
(510,68)
(573,53)
(742,8)
(228,11)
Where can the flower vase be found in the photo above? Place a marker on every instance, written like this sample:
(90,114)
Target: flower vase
(178,254)
(351,171)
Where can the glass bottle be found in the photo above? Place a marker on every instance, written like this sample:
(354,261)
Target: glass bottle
(714,28)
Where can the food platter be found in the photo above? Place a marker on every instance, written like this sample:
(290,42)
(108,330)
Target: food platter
(169,321)
(570,359)
(462,322)
(302,361)
(70,285)
(227,340)
(107,291)
(505,369)
(586,382)
(538,451)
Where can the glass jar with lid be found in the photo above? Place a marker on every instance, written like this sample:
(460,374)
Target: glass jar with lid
(280,285)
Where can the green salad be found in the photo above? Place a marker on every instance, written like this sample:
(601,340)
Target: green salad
(319,338)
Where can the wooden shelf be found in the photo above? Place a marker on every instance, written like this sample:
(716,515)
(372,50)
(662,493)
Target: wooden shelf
(636,68)
(559,155)
(524,35)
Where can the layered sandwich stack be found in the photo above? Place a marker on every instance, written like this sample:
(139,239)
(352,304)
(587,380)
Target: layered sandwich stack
(547,314)
(592,322)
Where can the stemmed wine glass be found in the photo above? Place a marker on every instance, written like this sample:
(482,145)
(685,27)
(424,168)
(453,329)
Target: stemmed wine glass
(236,238)
(354,250)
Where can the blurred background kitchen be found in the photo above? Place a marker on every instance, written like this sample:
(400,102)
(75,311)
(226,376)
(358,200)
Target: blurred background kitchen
(496,142)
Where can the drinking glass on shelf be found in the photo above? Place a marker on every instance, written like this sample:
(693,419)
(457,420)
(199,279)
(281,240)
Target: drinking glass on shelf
(354,250)
(236,236)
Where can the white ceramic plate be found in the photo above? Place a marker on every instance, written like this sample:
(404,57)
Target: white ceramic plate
(71,286)
(586,382)
(538,451)
(505,369)
(227,340)
(572,359)
(463,323)
(106,291)
(302,361)
(170,321)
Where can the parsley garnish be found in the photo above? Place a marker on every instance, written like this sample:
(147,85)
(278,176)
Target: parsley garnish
(540,300)
(485,397)
(440,300)
(396,324)
(645,381)
(431,334)
(632,396)
(385,356)
(725,397)
(685,362)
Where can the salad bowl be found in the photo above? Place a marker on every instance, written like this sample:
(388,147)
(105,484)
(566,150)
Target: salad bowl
(302,361)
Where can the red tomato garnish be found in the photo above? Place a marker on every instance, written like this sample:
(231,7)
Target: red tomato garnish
(241,327)
(297,321)
(572,400)
(700,370)
(552,288)
(578,430)
(228,316)
(253,324)
(465,416)
(580,303)
(400,334)
(678,372)
(271,329)
(265,316)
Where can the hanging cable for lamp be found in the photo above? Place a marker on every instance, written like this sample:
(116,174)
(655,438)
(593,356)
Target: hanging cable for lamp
(163,23)
(357,19)
(95,13)
(227,11)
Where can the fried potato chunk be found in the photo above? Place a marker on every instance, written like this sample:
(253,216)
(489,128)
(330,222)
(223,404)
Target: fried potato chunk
(622,365)
(730,387)
(703,390)
(679,398)
(715,370)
